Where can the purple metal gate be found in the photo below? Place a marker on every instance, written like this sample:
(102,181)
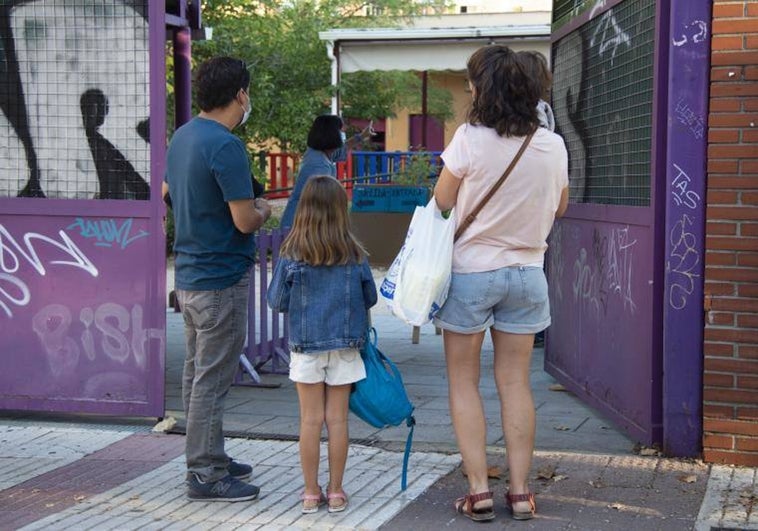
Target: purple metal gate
(630,85)
(82,280)
(266,350)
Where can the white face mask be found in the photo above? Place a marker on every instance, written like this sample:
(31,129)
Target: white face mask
(246,112)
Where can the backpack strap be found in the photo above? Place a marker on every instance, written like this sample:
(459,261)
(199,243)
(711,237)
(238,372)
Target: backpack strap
(411,422)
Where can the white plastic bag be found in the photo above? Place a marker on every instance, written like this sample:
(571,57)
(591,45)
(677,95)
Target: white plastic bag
(387,288)
(416,284)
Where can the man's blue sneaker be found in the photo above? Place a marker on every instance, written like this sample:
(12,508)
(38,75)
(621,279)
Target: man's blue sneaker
(239,471)
(226,489)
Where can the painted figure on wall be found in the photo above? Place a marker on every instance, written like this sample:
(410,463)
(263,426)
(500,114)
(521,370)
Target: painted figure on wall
(117,177)
(74,99)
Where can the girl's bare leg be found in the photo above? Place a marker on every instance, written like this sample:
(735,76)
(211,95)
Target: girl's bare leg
(337,399)
(312,398)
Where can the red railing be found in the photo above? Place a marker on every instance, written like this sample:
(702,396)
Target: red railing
(282,169)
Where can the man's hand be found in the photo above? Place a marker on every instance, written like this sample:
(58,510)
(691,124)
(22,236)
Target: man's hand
(263,208)
(249,215)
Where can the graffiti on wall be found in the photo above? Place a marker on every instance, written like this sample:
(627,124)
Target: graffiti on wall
(686,179)
(602,99)
(74,99)
(75,330)
(693,32)
(121,334)
(604,272)
(108,232)
(17,256)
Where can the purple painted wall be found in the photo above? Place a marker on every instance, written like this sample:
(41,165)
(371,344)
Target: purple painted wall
(626,282)
(76,316)
(603,343)
(82,280)
(601,293)
(687,109)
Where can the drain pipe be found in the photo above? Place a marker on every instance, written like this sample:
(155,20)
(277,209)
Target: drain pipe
(333,54)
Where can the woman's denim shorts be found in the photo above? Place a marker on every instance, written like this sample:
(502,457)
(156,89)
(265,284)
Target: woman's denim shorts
(510,299)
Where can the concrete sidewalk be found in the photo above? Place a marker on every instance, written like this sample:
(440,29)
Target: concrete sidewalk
(68,472)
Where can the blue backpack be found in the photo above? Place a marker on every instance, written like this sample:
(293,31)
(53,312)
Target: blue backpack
(380,399)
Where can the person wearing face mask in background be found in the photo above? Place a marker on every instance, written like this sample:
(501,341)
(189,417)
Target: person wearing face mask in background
(327,145)
(215,215)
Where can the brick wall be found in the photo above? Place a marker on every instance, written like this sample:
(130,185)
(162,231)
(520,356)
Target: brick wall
(730,394)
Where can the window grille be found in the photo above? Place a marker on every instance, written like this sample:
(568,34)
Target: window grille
(603,103)
(74,99)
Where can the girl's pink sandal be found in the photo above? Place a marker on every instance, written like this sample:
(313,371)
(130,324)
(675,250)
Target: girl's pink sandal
(337,496)
(308,506)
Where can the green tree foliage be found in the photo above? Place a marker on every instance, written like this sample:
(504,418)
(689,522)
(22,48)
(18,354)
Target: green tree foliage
(290,70)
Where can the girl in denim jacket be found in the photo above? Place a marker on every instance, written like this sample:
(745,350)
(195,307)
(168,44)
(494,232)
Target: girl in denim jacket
(323,283)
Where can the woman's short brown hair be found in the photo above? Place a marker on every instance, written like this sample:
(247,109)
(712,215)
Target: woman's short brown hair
(505,91)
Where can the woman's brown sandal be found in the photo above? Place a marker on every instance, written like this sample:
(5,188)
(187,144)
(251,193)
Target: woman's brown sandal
(510,499)
(465,506)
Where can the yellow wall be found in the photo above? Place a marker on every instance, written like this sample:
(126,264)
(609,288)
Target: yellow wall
(398,130)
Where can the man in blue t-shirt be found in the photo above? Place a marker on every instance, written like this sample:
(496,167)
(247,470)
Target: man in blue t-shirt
(215,214)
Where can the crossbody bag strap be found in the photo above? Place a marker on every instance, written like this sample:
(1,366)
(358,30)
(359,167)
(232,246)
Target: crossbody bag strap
(472,216)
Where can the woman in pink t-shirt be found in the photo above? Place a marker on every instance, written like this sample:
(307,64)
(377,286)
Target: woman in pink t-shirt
(498,282)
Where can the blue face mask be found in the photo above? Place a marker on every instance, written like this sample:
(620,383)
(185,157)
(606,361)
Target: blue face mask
(340,154)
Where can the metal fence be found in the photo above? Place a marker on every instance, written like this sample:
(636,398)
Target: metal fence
(365,167)
(267,335)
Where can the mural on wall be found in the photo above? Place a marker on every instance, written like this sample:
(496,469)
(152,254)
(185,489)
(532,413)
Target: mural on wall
(80,321)
(602,99)
(74,99)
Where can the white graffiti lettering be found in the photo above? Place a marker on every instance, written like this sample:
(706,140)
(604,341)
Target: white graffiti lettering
(610,36)
(21,300)
(683,265)
(686,116)
(695,32)
(680,190)
(13,255)
(111,321)
(606,272)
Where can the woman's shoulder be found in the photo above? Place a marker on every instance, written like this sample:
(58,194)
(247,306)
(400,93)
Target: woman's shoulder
(314,162)
(546,139)
(546,135)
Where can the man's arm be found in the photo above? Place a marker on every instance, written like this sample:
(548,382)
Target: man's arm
(249,215)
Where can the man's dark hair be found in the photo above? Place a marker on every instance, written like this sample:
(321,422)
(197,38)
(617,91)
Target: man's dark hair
(325,132)
(218,80)
(505,92)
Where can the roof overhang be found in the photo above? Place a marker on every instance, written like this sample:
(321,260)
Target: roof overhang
(426,48)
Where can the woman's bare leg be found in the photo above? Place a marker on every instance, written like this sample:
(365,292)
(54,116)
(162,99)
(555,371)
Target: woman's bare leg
(513,354)
(462,353)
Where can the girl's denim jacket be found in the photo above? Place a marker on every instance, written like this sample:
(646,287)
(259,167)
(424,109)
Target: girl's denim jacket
(326,306)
